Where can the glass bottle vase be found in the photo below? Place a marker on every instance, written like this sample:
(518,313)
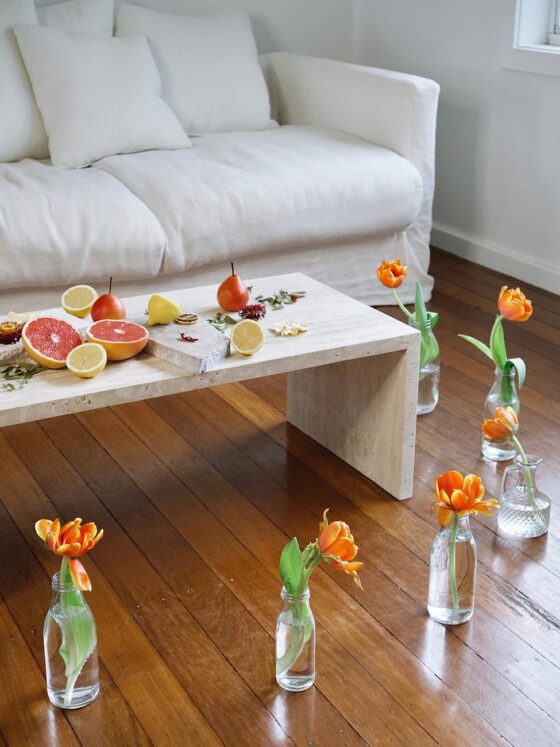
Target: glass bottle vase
(502,394)
(70,642)
(295,642)
(428,381)
(524,510)
(452,573)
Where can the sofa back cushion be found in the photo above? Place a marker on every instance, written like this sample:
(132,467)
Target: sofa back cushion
(22,134)
(79,16)
(210,71)
(21,128)
(98,95)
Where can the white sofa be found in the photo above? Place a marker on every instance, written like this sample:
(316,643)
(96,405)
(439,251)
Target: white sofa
(346,181)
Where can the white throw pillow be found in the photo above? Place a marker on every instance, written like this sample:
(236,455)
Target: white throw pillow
(98,95)
(210,70)
(22,134)
(21,128)
(79,16)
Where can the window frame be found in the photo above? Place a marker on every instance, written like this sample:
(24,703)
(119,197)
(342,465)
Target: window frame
(524,55)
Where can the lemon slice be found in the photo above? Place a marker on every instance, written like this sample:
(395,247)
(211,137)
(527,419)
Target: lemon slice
(78,300)
(87,360)
(247,337)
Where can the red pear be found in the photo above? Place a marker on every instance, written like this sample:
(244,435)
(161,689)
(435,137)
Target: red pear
(232,293)
(108,306)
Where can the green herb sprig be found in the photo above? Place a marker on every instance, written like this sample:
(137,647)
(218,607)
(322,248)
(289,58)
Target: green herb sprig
(221,321)
(282,298)
(22,373)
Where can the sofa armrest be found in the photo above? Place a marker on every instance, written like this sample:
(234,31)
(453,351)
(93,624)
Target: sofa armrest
(391,109)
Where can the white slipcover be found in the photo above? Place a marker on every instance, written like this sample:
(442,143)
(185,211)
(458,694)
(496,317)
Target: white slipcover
(63,226)
(236,194)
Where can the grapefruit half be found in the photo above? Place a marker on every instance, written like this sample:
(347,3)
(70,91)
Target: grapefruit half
(48,341)
(121,339)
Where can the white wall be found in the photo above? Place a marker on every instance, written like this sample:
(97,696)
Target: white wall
(498,147)
(317,27)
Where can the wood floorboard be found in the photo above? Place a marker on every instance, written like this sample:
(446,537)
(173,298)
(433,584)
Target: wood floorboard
(199,492)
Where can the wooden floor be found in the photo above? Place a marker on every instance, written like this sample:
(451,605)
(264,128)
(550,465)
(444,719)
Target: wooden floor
(197,495)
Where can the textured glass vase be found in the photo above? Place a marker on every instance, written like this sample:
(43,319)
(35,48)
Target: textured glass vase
(452,573)
(502,394)
(428,381)
(295,642)
(70,642)
(524,510)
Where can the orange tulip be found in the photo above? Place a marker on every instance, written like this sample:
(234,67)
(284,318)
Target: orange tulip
(461,496)
(336,541)
(502,426)
(513,305)
(71,540)
(391,274)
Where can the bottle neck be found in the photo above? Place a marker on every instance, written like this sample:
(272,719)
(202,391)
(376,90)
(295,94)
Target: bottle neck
(421,327)
(463,530)
(288,598)
(506,373)
(59,586)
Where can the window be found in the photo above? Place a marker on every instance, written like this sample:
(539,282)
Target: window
(531,37)
(554,35)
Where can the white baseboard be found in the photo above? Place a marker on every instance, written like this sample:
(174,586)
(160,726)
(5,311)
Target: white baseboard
(522,269)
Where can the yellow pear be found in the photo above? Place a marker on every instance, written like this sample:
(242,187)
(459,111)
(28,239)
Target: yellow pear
(161,310)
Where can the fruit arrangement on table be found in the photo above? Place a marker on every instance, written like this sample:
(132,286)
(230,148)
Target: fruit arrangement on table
(53,343)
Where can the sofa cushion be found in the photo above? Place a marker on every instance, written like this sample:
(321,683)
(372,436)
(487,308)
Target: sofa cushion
(22,134)
(210,71)
(59,226)
(21,127)
(79,16)
(98,95)
(241,193)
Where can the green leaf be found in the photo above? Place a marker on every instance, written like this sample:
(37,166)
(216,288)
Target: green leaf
(420,306)
(79,635)
(498,344)
(480,345)
(291,566)
(519,364)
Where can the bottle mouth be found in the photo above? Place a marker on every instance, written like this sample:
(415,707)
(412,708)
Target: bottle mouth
(510,372)
(421,327)
(59,585)
(530,460)
(303,597)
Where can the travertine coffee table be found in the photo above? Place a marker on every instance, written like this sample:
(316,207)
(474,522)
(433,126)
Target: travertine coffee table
(352,379)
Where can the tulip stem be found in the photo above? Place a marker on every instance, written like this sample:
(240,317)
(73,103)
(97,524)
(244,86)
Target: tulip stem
(452,569)
(401,306)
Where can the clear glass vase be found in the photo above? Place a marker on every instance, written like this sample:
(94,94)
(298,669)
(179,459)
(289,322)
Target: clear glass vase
(428,382)
(524,510)
(295,642)
(502,394)
(452,573)
(70,641)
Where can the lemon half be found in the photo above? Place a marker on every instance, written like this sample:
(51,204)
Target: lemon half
(87,360)
(78,300)
(247,337)
(161,310)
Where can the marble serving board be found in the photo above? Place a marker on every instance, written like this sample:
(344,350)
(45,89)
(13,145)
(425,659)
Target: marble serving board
(197,357)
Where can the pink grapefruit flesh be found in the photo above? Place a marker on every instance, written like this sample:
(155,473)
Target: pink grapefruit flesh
(121,339)
(48,341)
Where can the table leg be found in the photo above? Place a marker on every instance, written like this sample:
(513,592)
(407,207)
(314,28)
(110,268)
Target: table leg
(364,411)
